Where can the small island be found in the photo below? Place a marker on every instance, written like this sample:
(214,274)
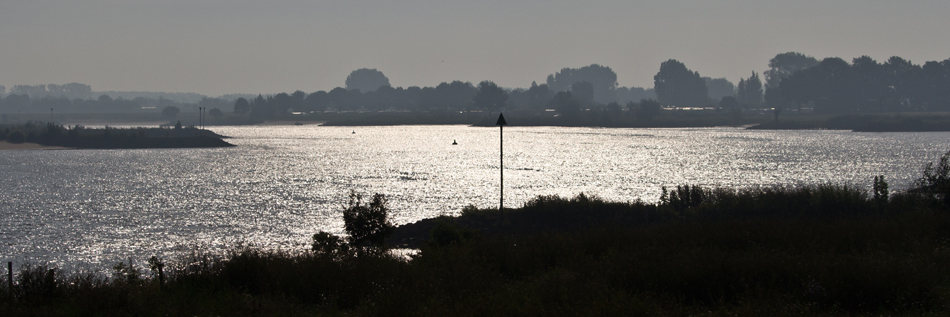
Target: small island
(79,137)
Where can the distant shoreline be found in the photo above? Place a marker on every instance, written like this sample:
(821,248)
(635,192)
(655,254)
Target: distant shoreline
(7,146)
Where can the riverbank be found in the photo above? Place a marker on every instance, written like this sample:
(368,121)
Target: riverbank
(7,146)
(890,122)
(57,136)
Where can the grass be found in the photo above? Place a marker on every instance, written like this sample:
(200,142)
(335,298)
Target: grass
(820,250)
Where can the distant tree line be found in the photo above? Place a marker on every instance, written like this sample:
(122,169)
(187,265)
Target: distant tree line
(793,81)
(75,98)
(369,90)
(835,86)
(25,103)
(831,85)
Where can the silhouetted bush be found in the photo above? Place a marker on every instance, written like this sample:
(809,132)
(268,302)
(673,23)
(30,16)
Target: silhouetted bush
(367,225)
(329,245)
(935,181)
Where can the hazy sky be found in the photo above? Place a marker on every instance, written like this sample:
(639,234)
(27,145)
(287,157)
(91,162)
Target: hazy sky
(216,47)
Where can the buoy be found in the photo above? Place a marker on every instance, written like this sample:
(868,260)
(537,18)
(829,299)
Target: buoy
(454,143)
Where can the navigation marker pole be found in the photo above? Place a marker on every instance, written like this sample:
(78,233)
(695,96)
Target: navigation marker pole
(501,143)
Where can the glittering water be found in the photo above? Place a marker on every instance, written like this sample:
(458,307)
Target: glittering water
(281,184)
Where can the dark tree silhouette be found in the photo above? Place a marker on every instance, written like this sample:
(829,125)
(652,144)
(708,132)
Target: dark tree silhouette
(583,91)
(719,87)
(676,85)
(646,109)
(241,106)
(566,105)
(783,65)
(539,95)
(297,100)
(490,96)
(367,225)
(602,78)
(316,101)
(749,92)
(260,108)
(730,104)
(365,80)
(454,95)
(216,113)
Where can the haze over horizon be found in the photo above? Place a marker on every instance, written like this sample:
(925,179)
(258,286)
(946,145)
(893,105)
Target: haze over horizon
(217,47)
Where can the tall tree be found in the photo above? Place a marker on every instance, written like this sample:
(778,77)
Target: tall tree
(719,87)
(677,85)
(786,64)
(241,106)
(366,79)
(583,91)
(539,95)
(216,113)
(316,101)
(602,78)
(489,96)
(646,109)
(566,105)
(750,91)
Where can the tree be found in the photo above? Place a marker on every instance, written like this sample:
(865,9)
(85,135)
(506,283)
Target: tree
(241,106)
(935,181)
(773,97)
(719,87)
(566,105)
(367,225)
(260,107)
(316,101)
(297,100)
(729,103)
(489,96)
(170,112)
(647,109)
(750,91)
(784,65)
(216,113)
(365,80)
(602,79)
(633,94)
(613,110)
(676,85)
(583,91)
(539,95)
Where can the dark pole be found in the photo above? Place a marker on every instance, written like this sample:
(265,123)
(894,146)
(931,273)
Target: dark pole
(501,158)
(10,277)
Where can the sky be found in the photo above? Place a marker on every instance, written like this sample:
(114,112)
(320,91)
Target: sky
(217,47)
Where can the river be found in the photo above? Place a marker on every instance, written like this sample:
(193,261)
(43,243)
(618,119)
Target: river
(282,184)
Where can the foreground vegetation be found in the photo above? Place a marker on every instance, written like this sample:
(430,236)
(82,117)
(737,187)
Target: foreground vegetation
(816,250)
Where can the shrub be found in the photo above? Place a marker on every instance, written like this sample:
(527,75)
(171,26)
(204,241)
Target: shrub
(367,225)
(935,181)
(329,245)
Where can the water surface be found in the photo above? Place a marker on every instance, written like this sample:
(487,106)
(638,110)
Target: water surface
(281,184)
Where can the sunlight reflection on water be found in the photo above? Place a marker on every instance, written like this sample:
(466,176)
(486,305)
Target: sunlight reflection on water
(282,184)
